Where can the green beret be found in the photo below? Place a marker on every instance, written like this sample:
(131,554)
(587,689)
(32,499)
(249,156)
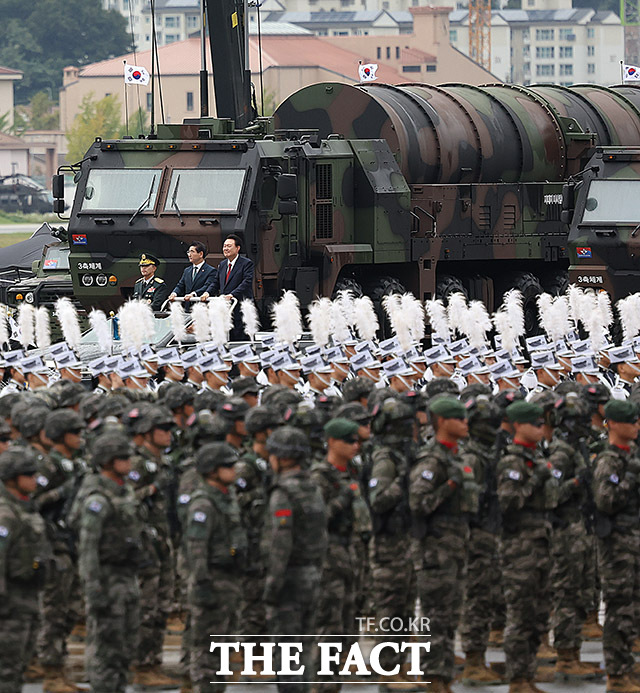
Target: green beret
(342,429)
(448,408)
(621,411)
(524,412)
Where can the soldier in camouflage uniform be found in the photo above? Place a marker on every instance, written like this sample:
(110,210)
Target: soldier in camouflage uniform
(386,483)
(337,598)
(60,474)
(215,549)
(105,513)
(616,492)
(296,539)
(483,571)
(441,491)
(24,555)
(570,543)
(151,477)
(252,484)
(523,475)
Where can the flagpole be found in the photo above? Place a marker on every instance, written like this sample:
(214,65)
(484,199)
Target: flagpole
(622,72)
(126,100)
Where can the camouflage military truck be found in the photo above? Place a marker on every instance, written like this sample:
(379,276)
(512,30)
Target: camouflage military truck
(373,187)
(602,210)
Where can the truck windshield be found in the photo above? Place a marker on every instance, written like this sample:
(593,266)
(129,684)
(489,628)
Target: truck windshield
(205,190)
(613,200)
(121,190)
(56,258)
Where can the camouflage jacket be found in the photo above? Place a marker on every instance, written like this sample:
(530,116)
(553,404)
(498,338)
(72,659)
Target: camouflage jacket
(213,537)
(441,491)
(338,491)
(616,486)
(252,480)
(482,460)
(24,555)
(107,517)
(388,490)
(296,529)
(569,468)
(58,481)
(525,491)
(598,441)
(151,478)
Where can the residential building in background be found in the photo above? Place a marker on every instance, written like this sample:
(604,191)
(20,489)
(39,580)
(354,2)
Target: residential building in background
(7,79)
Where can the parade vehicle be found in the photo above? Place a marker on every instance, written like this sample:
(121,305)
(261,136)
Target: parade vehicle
(372,187)
(20,193)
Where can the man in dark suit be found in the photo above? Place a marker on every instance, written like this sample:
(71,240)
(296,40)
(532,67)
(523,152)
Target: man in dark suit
(234,280)
(150,288)
(199,278)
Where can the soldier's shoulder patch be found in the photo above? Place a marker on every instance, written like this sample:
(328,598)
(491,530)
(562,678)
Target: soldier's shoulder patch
(373,483)
(557,473)
(184,498)
(134,475)
(139,280)
(514,475)
(4,531)
(42,480)
(158,280)
(152,467)
(241,483)
(427,474)
(67,465)
(199,516)
(614,479)
(95,506)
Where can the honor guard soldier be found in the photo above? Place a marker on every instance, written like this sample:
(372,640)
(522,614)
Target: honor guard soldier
(150,288)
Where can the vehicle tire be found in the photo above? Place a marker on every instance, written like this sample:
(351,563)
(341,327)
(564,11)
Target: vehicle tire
(348,284)
(385,286)
(448,285)
(530,288)
(557,283)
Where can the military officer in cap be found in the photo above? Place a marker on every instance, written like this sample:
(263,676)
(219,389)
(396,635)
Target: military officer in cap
(150,288)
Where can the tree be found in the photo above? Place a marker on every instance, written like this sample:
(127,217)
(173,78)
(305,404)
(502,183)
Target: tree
(41,37)
(95,119)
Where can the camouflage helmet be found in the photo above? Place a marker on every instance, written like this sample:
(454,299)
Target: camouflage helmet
(46,397)
(213,455)
(307,418)
(326,405)
(572,415)
(90,405)
(143,420)
(5,430)
(29,421)
(208,399)
(379,395)
(289,443)
(233,409)
(110,446)
(357,388)
(506,397)
(484,417)
(67,392)
(280,397)
(7,402)
(114,405)
(473,390)
(392,416)
(261,418)
(207,427)
(62,421)
(596,394)
(546,399)
(354,411)
(178,395)
(566,386)
(441,386)
(17,461)
(417,400)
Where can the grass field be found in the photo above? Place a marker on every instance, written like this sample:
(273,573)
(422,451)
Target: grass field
(7,218)
(11,238)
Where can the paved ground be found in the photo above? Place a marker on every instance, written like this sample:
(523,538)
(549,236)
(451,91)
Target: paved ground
(25,228)
(591,651)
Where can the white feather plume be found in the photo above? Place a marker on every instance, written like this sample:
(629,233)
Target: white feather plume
(603,303)
(177,318)
(457,312)
(68,319)
(477,324)
(287,319)
(43,328)
(319,319)
(575,294)
(504,327)
(339,322)
(545,303)
(438,318)
(100,325)
(220,319)
(400,325)
(513,306)
(250,318)
(365,318)
(596,330)
(137,326)
(629,313)
(201,322)
(4,325)
(414,312)
(26,324)
(345,299)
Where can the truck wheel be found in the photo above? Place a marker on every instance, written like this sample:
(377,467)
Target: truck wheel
(448,285)
(385,286)
(348,284)
(530,287)
(557,283)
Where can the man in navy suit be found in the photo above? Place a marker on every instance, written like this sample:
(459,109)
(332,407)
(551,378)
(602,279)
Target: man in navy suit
(234,280)
(199,278)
